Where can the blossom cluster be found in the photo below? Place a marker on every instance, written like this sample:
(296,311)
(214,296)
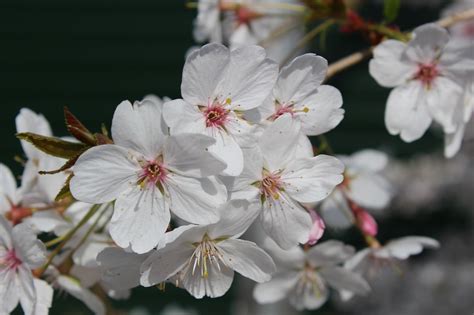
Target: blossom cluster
(225,179)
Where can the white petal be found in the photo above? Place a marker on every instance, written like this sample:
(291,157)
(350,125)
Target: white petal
(453,142)
(336,212)
(46,221)
(29,121)
(86,276)
(7,188)
(249,78)
(195,200)
(343,279)
(405,247)
(330,253)
(31,249)
(9,291)
(44,297)
(188,154)
(86,254)
(236,216)
(203,70)
(324,111)
(252,172)
(139,127)
(162,264)
(387,66)
(285,259)
(5,233)
(369,190)
(427,41)
(141,217)
(406,113)
(278,142)
(27,290)
(310,180)
(183,117)
(247,259)
(285,221)
(242,130)
(308,295)
(368,159)
(304,147)
(102,173)
(228,150)
(73,287)
(120,269)
(300,78)
(216,284)
(276,289)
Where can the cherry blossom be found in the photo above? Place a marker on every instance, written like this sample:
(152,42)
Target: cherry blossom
(304,277)
(428,75)
(148,173)
(202,259)
(218,87)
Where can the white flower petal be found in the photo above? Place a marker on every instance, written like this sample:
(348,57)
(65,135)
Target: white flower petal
(387,66)
(276,289)
(86,254)
(44,297)
(406,113)
(310,180)
(73,287)
(368,159)
(28,246)
(329,253)
(249,78)
(164,263)
(343,279)
(278,142)
(336,212)
(27,290)
(247,259)
(139,127)
(5,232)
(308,295)
(427,41)
(102,173)
(216,284)
(9,291)
(236,216)
(7,188)
(188,154)
(324,111)
(405,247)
(195,200)
(369,190)
(453,142)
(140,219)
(183,117)
(29,121)
(228,150)
(285,221)
(203,70)
(300,78)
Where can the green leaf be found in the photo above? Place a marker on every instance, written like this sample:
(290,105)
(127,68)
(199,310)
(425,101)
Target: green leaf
(54,146)
(390,10)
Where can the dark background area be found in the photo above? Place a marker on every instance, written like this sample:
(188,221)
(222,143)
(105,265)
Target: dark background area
(90,55)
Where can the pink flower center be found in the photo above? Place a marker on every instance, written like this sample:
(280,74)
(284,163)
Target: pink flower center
(216,115)
(11,260)
(271,186)
(153,173)
(282,109)
(427,73)
(245,15)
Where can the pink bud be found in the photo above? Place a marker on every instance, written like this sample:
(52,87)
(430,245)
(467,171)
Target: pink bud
(318,228)
(366,222)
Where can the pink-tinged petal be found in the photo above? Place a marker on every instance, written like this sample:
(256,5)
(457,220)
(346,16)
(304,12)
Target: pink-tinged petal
(366,222)
(102,173)
(141,217)
(202,72)
(317,231)
(406,113)
(139,127)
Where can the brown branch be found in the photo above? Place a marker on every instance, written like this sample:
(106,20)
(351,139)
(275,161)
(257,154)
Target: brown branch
(359,56)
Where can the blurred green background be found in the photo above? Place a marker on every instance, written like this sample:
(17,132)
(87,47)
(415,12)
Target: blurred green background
(90,55)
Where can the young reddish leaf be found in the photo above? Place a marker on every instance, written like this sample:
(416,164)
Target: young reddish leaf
(70,163)
(54,146)
(77,129)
